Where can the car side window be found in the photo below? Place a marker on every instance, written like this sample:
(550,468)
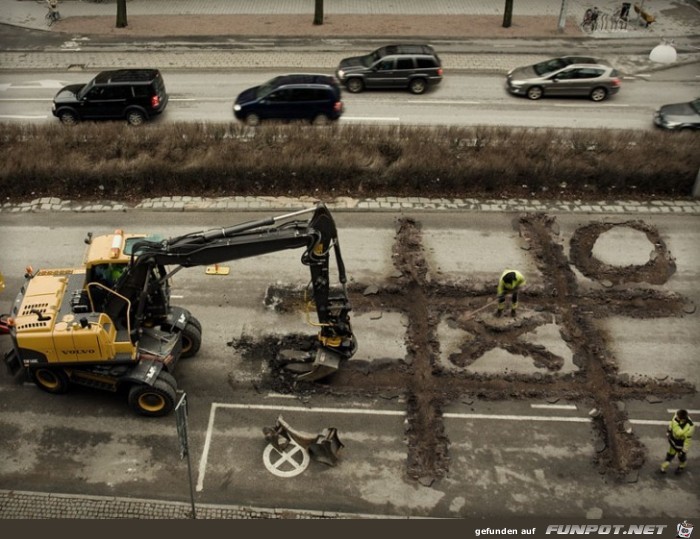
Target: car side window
(567,74)
(115,92)
(385,65)
(140,90)
(279,96)
(301,94)
(426,63)
(97,92)
(588,73)
(404,63)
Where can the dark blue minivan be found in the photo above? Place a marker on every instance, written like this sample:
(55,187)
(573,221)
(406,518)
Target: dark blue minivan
(297,96)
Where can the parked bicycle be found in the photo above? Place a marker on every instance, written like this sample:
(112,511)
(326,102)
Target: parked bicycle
(52,15)
(590,19)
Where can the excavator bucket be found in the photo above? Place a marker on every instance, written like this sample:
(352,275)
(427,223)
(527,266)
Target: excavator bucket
(326,447)
(322,447)
(325,363)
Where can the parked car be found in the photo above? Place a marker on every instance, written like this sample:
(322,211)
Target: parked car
(296,96)
(565,76)
(679,116)
(136,95)
(415,67)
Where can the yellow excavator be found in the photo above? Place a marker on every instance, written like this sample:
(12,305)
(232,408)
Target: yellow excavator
(110,323)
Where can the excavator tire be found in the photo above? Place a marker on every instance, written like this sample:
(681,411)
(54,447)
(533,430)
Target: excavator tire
(50,380)
(191,339)
(153,401)
(168,378)
(195,322)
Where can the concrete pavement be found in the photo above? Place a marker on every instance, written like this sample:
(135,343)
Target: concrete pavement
(626,47)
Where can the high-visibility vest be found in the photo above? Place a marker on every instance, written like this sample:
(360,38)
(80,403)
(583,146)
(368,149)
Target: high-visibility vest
(504,287)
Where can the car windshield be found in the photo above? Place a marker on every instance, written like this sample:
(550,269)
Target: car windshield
(373,57)
(543,68)
(266,88)
(696,105)
(85,89)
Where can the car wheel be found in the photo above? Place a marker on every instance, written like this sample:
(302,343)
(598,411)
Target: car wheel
(599,94)
(417,86)
(135,117)
(535,92)
(68,117)
(252,119)
(355,85)
(321,119)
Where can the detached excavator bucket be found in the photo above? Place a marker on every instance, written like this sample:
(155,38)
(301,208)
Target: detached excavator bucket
(322,447)
(325,363)
(326,447)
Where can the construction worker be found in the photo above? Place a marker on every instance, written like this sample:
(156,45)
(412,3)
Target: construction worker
(679,433)
(511,280)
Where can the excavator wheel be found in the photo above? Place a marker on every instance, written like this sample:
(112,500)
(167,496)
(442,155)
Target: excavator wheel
(50,380)
(153,401)
(195,322)
(168,378)
(191,338)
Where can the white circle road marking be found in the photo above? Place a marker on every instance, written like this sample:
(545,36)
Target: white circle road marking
(294,459)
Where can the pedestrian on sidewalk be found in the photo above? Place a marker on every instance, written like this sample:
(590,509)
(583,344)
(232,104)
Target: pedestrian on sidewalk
(679,433)
(511,280)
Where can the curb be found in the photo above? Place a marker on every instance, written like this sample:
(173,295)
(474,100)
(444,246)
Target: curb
(380,204)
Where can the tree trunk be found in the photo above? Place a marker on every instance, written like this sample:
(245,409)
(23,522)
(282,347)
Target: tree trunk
(318,12)
(121,13)
(508,14)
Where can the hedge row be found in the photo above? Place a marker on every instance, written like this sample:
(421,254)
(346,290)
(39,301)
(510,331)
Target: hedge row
(115,161)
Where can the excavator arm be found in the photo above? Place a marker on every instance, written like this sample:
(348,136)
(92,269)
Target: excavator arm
(145,277)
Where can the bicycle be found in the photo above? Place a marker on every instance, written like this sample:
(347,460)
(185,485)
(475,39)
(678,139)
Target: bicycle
(52,15)
(590,19)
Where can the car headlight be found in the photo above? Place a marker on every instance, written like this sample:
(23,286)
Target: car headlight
(516,83)
(236,107)
(341,74)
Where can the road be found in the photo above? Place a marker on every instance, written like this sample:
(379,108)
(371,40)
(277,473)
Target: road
(536,452)
(462,99)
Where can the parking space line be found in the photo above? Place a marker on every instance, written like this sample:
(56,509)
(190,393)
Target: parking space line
(519,417)
(215,405)
(282,408)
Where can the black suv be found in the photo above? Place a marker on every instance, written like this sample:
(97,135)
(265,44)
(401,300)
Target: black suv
(296,96)
(135,95)
(395,66)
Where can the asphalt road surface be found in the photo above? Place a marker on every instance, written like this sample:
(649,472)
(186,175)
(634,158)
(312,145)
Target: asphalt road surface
(497,435)
(461,99)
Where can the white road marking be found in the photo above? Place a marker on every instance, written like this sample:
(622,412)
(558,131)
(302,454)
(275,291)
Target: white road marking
(368,119)
(26,99)
(608,105)
(674,410)
(555,406)
(520,417)
(215,405)
(34,85)
(286,463)
(18,117)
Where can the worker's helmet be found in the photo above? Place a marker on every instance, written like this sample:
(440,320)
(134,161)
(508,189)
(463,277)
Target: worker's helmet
(509,277)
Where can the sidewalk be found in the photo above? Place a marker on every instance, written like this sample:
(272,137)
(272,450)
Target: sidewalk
(220,34)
